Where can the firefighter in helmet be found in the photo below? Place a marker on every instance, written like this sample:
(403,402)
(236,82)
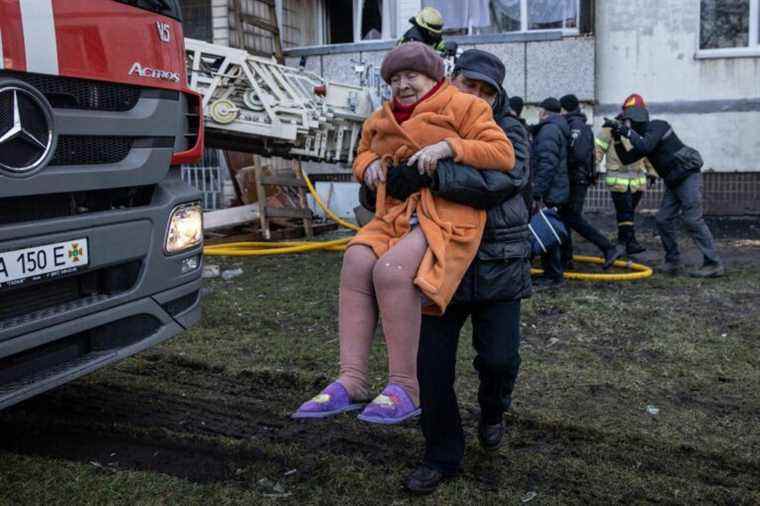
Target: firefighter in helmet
(625,182)
(427,27)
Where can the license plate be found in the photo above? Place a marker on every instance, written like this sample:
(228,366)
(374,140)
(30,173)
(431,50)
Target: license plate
(42,262)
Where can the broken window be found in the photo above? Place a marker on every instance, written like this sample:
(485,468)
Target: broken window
(505,16)
(372,20)
(724,24)
(340,15)
(552,14)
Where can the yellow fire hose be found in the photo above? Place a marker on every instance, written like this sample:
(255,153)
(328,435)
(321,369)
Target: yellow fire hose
(238,249)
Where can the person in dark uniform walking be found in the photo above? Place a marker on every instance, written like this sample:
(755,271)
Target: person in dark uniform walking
(549,180)
(580,171)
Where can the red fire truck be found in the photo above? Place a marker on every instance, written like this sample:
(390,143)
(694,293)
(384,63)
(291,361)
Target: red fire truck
(100,240)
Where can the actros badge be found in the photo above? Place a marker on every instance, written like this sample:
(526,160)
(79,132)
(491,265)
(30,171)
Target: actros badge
(143,71)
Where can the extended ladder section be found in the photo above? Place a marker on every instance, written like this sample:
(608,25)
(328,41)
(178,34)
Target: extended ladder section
(256,105)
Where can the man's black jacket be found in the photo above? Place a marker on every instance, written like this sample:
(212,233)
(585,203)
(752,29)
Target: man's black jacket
(501,268)
(549,160)
(579,174)
(657,141)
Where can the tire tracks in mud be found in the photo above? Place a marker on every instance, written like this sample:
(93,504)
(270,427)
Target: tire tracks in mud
(178,417)
(183,418)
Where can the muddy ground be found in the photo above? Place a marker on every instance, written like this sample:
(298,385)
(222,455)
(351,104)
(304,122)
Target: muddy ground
(203,418)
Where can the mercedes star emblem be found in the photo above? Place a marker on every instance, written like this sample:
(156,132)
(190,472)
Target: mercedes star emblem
(26,134)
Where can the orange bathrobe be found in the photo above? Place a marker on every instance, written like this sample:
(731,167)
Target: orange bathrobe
(453,231)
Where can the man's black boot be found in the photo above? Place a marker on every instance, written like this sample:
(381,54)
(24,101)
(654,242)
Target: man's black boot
(627,236)
(490,436)
(424,480)
(634,247)
(611,255)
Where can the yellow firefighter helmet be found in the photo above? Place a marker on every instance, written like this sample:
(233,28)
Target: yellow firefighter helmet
(430,19)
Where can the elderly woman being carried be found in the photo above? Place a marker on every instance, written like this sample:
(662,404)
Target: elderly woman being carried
(411,257)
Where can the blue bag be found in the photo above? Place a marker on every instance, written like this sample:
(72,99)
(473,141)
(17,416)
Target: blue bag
(547,231)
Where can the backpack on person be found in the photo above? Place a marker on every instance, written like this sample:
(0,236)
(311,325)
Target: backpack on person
(580,156)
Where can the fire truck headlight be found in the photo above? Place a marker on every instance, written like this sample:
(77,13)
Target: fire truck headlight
(185,228)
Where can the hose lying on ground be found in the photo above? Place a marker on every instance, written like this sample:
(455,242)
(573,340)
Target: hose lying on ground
(238,249)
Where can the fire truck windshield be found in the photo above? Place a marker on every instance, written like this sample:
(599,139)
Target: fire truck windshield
(169,8)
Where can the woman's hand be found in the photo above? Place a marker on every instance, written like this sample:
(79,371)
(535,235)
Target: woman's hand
(374,175)
(427,157)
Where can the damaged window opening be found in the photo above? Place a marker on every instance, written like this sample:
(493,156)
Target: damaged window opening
(505,16)
(372,20)
(340,15)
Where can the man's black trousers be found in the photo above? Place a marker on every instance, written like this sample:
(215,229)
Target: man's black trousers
(572,215)
(496,339)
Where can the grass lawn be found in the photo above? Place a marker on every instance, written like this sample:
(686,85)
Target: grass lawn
(203,418)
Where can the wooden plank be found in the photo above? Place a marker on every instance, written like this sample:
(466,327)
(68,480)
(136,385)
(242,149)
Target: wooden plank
(230,217)
(259,22)
(287,212)
(280,180)
(295,165)
(276,35)
(262,195)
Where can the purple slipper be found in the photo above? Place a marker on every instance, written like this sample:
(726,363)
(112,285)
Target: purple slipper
(333,400)
(392,406)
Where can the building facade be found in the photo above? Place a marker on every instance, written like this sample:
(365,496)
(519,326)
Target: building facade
(696,63)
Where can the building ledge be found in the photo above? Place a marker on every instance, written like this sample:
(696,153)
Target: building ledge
(384,45)
(732,52)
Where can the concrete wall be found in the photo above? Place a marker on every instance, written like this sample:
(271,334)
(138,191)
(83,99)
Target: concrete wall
(650,48)
(535,68)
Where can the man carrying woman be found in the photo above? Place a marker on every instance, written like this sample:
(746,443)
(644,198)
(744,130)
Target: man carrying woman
(489,293)
(412,256)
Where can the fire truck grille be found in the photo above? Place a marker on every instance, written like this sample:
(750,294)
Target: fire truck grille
(60,205)
(74,93)
(102,149)
(91,150)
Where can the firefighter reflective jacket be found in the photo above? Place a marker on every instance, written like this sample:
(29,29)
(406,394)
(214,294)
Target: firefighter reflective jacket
(621,178)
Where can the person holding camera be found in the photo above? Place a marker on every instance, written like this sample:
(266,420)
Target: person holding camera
(680,168)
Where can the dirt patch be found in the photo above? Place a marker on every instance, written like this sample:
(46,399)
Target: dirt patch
(122,428)
(194,461)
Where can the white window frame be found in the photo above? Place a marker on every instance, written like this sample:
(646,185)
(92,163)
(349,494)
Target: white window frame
(753,47)
(386,28)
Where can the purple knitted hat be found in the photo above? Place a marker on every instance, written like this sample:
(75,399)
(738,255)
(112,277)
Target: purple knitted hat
(414,56)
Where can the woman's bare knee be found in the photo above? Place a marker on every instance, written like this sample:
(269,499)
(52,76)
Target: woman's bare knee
(358,263)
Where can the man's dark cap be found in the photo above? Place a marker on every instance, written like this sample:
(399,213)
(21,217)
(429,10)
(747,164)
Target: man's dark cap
(569,102)
(481,66)
(551,104)
(636,114)
(516,104)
